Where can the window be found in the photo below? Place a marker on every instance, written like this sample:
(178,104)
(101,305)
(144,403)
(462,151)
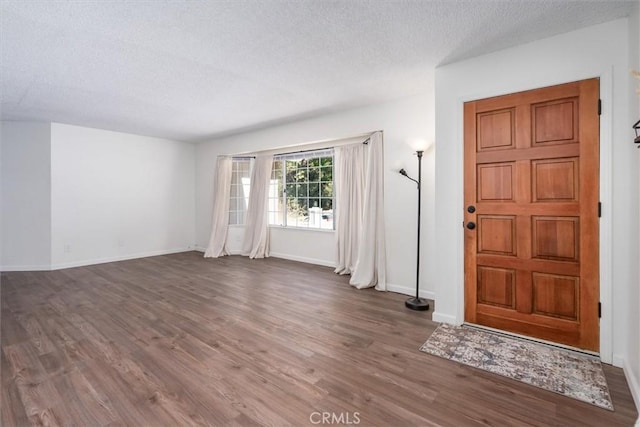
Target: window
(301,190)
(239,199)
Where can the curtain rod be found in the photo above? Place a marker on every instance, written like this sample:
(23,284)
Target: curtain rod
(278,150)
(365,142)
(311,150)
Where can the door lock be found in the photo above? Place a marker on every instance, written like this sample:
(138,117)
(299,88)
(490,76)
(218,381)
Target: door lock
(471,225)
(471,209)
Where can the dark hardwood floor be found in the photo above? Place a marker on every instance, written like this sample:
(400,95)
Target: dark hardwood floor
(180,340)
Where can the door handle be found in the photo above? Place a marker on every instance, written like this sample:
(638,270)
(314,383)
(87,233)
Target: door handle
(471,225)
(471,209)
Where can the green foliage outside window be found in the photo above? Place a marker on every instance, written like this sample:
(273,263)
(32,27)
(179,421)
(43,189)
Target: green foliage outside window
(308,183)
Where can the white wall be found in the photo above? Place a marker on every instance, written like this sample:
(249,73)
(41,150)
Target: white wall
(401,120)
(314,246)
(310,246)
(118,196)
(632,367)
(26,194)
(595,51)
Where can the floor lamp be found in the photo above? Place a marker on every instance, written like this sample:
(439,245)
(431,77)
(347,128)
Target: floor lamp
(417,303)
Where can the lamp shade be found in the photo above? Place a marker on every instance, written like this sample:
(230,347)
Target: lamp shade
(419,144)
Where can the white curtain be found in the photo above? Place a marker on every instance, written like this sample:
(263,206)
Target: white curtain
(220,221)
(349,170)
(371,267)
(256,231)
(360,235)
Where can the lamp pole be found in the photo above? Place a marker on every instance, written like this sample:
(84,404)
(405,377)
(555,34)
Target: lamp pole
(417,303)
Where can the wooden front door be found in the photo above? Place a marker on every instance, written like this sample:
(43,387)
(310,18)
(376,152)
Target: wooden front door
(531,213)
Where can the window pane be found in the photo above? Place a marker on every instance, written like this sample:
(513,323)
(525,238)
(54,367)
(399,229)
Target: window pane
(291,166)
(291,190)
(275,193)
(314,174)
(327,189)
(302,190)
(314,190)
(326,204)
(239,190)
(326,174)
(326,161)
(275,218)
(292,207)
(301,175)
(315,213)
(243,167)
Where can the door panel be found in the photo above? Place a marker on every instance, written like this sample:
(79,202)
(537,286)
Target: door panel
(497,234)
(555,121)
(532,174)
(555,238)
(555,180)
(496,286)
(495,181)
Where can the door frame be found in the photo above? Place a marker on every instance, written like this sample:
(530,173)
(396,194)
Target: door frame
(606,181)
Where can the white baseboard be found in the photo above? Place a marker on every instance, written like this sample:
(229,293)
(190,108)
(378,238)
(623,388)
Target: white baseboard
(634,386)
(444,318)
(280,255)
(617,361)
(410,290)
(82,263)
(203,250)
(85,262)
(303,259)
(8,268)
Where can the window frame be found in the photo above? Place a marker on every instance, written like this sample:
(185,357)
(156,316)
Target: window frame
(233,200)
(283,197)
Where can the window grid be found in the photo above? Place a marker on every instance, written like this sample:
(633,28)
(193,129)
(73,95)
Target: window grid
(276,216)
(303,186)
(239,199)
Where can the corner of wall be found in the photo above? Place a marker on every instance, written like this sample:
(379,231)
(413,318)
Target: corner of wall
(634,385)
(26,169)
(411,291)
(147,207)
(444,318)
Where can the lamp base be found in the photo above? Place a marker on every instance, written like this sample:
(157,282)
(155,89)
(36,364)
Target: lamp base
(419,304)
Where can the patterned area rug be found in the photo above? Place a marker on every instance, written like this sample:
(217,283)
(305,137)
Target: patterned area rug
(561,371)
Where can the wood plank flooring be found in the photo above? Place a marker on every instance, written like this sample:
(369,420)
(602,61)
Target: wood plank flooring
(179,340)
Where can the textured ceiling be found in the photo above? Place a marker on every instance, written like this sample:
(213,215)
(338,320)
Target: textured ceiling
(191,70)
